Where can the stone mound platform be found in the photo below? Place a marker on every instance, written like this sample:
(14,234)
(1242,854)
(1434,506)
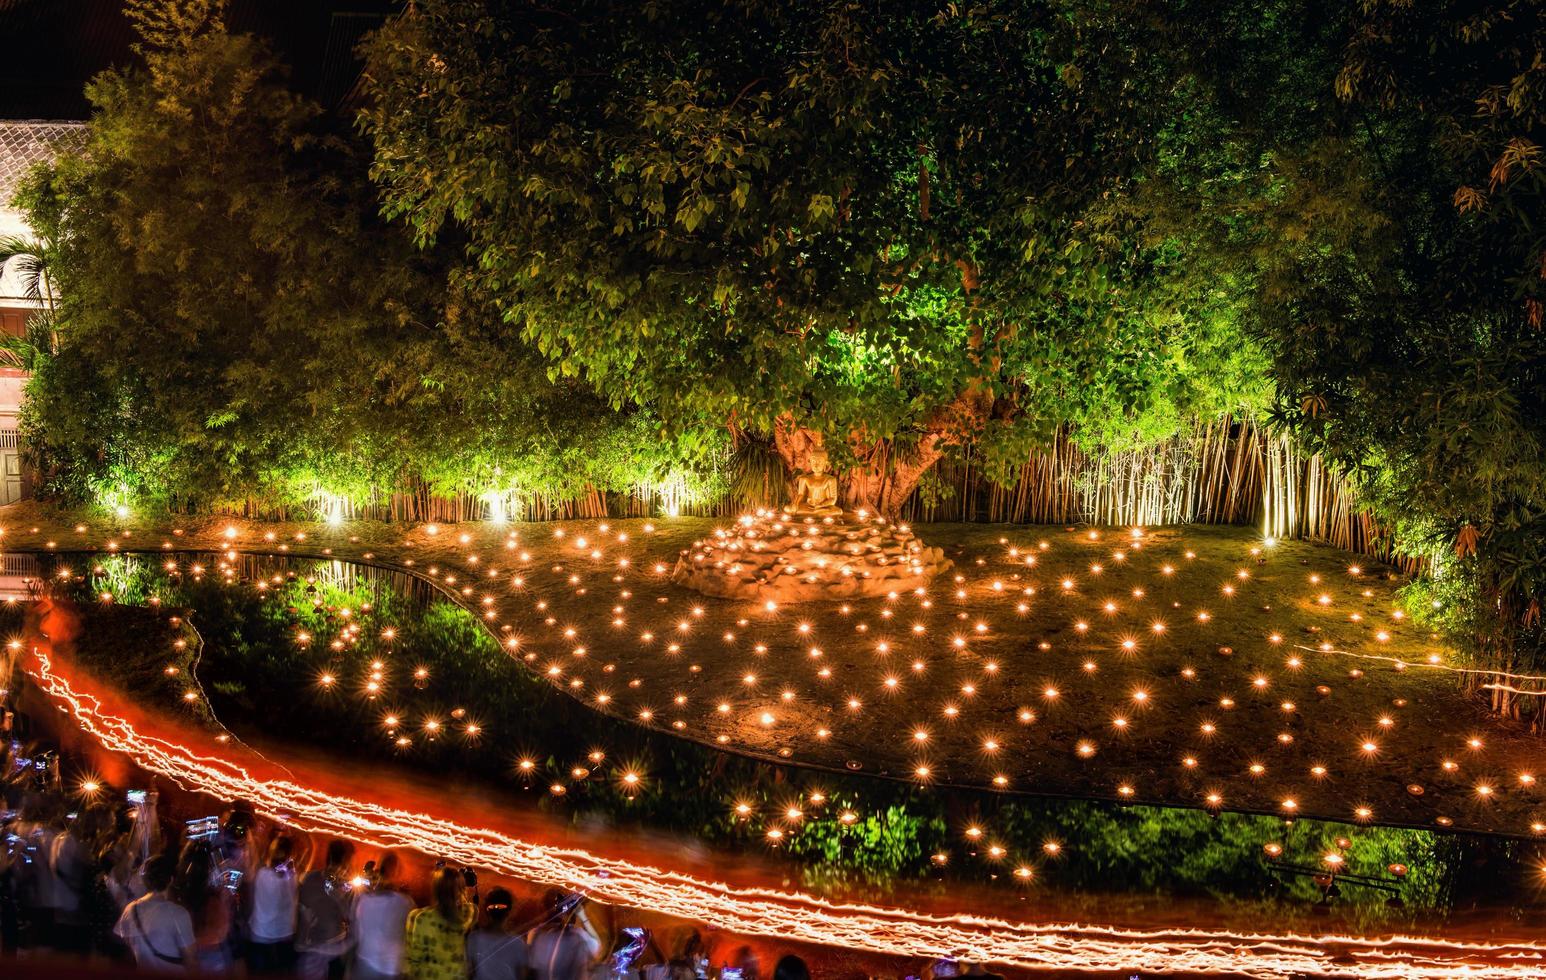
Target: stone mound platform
(773,557)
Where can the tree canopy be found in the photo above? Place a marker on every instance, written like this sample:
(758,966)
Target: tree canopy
(237,323)
(1374,200)
(894,227)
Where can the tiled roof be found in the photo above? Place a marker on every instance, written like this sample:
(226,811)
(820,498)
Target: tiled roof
(25,143)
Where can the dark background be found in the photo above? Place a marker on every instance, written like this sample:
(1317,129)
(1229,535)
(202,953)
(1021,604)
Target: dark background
(50,48)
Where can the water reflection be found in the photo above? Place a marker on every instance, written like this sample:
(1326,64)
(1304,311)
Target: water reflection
(378,667)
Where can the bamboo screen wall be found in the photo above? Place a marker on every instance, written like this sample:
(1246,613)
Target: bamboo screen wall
(1223,472)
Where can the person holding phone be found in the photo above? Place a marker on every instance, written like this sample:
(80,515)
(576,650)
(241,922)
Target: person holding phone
(323,937)
(209,904)
(380,925)
(565,945)
(271,926)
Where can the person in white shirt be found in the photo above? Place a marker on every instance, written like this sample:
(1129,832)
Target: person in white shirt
(69,864)
(157,930)
(380,926)
(271,927)
(564,946)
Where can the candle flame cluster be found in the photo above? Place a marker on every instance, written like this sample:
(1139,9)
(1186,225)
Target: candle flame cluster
(1005,708)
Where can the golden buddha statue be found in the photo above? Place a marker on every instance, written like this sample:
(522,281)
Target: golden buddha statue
(814,494)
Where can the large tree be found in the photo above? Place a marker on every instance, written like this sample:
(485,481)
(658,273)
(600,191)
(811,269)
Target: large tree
(217,270)
(1378,202)
(237,323)
(889,227)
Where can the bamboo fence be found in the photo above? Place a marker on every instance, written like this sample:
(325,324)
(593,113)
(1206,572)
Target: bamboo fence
(1224,471)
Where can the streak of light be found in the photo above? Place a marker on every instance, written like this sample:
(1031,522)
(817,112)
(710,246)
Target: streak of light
(1512,690)
(1428,666)
(797,916)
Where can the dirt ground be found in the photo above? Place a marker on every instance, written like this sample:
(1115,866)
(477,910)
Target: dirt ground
(1194,666)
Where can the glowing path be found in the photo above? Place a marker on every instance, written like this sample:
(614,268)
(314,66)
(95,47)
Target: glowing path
(794,916)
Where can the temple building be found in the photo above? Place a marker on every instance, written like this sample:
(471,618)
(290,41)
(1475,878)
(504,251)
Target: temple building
(23,145)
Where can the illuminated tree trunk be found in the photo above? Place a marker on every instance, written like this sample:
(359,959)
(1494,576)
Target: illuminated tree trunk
(887,475)
(883,476)
(794,444)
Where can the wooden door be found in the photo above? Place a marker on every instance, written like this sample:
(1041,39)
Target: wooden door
(10,467)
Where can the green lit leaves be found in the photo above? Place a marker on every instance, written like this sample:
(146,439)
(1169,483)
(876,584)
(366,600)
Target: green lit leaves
(751,210)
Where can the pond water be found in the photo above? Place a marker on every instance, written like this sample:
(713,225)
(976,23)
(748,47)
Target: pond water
(377,668)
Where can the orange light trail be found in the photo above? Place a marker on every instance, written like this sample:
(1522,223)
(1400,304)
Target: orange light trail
(1444,667)
(795,916)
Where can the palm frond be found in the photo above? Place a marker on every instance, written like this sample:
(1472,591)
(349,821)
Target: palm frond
(17,352)
(28,259)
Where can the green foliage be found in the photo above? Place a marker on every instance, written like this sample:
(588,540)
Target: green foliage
(1187,853)
(905,228)
(210,270)
(1445,352)
(894,225)
(880,845)
(31,262)
(1331,181)
(236,324)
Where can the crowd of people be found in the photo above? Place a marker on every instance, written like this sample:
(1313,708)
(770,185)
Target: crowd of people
(111,880)
(221,899)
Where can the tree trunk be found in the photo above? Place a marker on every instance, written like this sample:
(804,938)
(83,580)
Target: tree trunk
(794,444)
(883,477)
(886,476)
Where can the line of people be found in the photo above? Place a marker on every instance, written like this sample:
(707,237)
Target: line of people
(115,883)
(330,922)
